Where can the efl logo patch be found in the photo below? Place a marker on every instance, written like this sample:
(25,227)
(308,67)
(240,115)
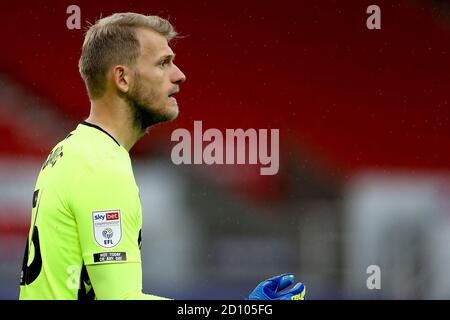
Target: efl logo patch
(107,227)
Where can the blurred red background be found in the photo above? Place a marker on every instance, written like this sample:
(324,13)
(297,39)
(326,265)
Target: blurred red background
(350,97)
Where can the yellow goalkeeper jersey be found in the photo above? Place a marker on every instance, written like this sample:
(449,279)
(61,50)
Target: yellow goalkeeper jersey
(86,211)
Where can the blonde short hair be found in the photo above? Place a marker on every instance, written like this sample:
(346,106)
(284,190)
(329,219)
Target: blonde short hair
(112,40)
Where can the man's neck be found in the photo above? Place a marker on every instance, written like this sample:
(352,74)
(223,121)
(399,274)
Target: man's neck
(113,116)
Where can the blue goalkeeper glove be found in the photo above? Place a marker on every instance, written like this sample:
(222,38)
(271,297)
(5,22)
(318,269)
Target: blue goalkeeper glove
(272,289)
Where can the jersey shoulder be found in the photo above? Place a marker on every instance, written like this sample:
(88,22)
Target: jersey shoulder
(86,146)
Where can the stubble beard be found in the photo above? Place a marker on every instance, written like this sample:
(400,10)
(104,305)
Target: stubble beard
(142,108)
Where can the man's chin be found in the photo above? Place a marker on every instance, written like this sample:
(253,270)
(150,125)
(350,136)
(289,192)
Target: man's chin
(172,112)
(169,114)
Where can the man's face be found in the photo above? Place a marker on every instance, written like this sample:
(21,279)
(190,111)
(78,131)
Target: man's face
(156,79)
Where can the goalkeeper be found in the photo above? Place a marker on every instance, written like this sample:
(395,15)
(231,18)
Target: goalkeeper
(85,235)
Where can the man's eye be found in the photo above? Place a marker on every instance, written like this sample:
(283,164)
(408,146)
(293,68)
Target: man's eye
(164,63)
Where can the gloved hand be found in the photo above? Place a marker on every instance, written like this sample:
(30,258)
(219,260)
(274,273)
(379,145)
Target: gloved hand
(272,289)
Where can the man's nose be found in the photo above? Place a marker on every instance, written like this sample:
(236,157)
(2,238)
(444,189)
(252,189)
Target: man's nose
(178,76)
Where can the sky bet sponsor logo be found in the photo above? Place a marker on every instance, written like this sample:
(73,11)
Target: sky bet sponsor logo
(107,228)
(106,216)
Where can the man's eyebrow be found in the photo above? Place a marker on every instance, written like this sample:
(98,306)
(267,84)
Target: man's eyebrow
(170,56)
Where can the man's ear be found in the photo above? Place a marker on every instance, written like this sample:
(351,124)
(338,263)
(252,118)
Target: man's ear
(121,78)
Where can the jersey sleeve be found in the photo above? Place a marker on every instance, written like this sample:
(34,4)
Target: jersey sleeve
(104,200)
(119,282)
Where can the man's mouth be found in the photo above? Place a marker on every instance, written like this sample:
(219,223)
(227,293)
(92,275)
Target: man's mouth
(173,93)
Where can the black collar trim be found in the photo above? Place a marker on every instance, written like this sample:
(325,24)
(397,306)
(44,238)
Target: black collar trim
(98,128)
